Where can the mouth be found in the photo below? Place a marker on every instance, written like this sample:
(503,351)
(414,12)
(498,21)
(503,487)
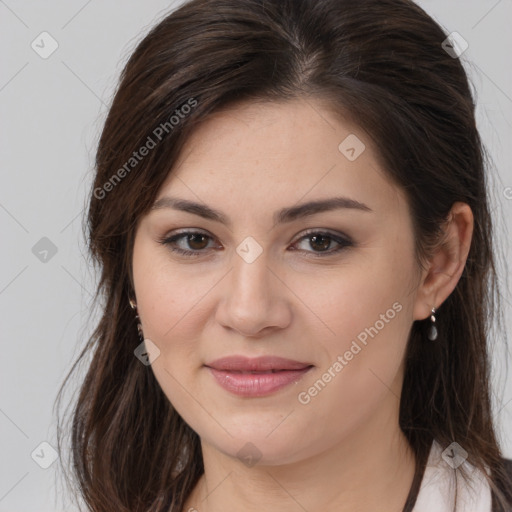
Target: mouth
(256,365)
(256,377)
(257,372)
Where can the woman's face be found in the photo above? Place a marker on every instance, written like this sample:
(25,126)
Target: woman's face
(329,288)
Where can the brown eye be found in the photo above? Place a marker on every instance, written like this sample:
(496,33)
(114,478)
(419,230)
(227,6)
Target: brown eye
(188,243)
(321,242)
(196,241)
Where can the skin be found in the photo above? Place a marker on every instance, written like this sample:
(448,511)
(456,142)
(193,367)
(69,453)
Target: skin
(343,450)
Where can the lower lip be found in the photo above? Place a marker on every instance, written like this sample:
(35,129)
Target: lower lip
(256,384)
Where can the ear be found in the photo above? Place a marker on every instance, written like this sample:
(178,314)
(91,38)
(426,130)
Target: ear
(447,262)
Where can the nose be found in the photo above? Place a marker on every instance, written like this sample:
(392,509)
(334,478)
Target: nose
(254,299)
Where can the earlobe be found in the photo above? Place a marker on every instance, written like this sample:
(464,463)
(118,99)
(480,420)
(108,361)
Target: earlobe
(447,261)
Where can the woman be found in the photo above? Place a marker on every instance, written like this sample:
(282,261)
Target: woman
(290,216)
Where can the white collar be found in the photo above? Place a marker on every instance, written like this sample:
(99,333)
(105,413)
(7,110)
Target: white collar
(437,491)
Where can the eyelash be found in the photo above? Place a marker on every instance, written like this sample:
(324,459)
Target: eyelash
(344,242)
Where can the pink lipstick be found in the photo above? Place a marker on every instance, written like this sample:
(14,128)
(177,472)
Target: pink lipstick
(256,377)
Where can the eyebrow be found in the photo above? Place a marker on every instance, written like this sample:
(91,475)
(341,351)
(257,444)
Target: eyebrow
(284,215)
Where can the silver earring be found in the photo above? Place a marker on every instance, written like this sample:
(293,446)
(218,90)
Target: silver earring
(139,325)
(432,331)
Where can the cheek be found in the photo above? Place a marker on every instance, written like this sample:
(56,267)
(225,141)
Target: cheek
(369,299)
(169,297)
(368,312)
(171,307)
(366,340)
(362,374)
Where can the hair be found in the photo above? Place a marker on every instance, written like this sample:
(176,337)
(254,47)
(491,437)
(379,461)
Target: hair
(379,63)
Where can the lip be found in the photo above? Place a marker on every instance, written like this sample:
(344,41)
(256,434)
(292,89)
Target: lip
(256,377)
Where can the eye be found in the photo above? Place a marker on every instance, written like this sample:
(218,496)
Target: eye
(195,243)
(320,241)
(181,243)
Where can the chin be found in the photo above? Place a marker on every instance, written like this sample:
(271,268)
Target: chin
(258,448)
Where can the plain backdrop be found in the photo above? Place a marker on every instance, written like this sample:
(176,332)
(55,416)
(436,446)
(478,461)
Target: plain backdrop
(52,110)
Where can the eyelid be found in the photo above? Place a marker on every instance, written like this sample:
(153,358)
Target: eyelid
(322,231)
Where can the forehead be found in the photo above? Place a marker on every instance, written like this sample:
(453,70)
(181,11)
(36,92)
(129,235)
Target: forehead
(283,151)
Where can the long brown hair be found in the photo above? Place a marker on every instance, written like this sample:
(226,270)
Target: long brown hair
(380,62)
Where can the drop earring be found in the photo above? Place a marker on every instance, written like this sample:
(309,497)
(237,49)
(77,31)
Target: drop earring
(133,305)
(432,331)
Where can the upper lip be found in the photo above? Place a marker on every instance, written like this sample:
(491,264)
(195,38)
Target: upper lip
(263,363)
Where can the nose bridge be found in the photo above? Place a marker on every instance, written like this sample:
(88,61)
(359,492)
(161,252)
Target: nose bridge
(250,276)
(252,301)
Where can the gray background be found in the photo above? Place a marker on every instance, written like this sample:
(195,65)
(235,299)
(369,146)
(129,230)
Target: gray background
(52,111)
